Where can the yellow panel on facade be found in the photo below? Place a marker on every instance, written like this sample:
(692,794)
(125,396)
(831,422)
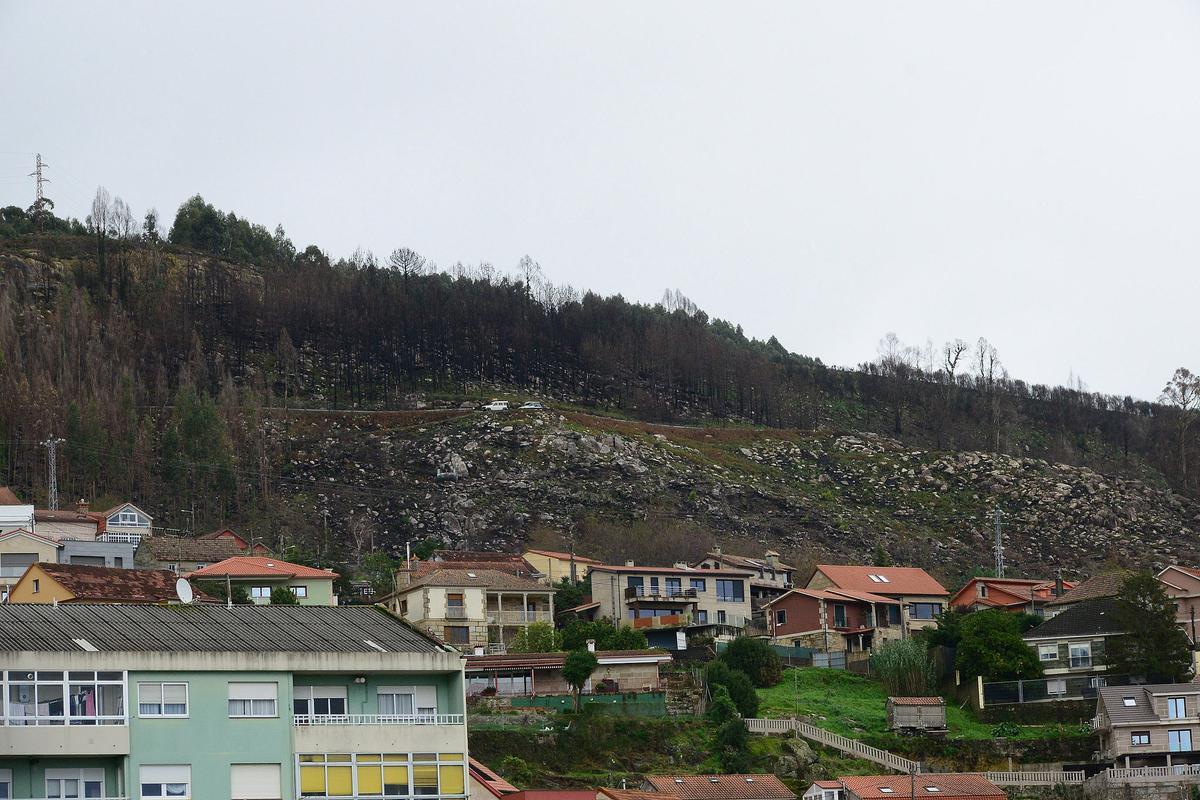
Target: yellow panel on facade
(312,780)
(396,780)
(425,776)
(370,780)
(341,782)
(450,756)
(452,779)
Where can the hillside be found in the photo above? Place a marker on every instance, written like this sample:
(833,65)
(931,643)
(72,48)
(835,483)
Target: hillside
(179,373)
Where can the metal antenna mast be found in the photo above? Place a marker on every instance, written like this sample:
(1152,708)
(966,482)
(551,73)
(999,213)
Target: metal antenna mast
(51,446)
(999,546)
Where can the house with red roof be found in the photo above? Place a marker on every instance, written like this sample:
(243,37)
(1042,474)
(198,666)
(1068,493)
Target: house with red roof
(259,576)
(922,598)
(825,790)
(1019,595)
(248,546)
(84,583)
(832,619)
(556,565)
(925,785)
(719,787)
(487,782)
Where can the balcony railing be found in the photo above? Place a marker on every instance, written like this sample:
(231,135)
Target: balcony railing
(1080,661)
(664,621)
(302,721)
(659,593)
(120,538)
(518,617)
(456,612)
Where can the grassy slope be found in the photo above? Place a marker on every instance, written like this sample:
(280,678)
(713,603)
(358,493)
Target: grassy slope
(855,706)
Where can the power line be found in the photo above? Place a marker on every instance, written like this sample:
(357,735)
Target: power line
(41,180)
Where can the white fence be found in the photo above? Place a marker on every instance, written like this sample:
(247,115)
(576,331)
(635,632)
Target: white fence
(836,741)
(1035,778)
(301,721)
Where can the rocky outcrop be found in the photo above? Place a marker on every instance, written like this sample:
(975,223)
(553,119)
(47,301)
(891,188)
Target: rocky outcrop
(483,480)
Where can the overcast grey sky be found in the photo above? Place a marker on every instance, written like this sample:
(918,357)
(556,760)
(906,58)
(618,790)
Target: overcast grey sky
(825,172)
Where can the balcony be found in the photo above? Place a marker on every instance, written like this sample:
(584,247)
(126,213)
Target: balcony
(517,617)
(665,621)
(64,740)
(456,612)
(660,594)
(120,538)
(1081,662)
(372,732)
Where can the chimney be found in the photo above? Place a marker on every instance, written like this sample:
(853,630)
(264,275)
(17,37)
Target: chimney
(478,650)
(629,562)
(681,565)
(82,506)
(716,551)
(1058,584)
(402,577)
(591,645)
(772,559)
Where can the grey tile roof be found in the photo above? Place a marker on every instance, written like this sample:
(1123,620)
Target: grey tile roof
(488,578)
(1089,618)
(169,549)
(195,628)
(1106,584)
(1113,698)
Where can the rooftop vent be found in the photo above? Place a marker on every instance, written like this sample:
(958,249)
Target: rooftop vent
(714,780)
(373,645)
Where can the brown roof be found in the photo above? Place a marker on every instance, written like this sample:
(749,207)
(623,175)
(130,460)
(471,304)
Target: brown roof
(943,785)
(184,548)
(916,701)
(563,556)
(487,578)
(629,794)
(92,584)
(477,559)
(695,572)
(67,515)
(748,561)
(1106,584)
(721,787)
(896,580)
(9,498)
(552,660)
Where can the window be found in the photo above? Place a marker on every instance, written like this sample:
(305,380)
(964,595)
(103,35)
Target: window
(1047,652)
(878,578)
(1097,682)
(721,618)
(254,781)
(674,587)
(1081,654)
(1058,686)
(162,699)
(886,790)
(70,783)
(1128,702)
(65,698)
(702,617)
(839,616)
(699,585)
(932,789)
(781,616)
(731,591)
(382,775)
(458,634)
(1176,708)
(421,701)
(319,701)
(128,519)
(301,592)
(893,614)
(260,592)
(37,585)
(1139,738)
(1180,741)
(924,610)
(253,699)
(6,790)
(161,780)
(983,589)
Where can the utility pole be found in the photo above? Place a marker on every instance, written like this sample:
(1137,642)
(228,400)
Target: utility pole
(191,512)
(41,179)
(999,545)
(51,446)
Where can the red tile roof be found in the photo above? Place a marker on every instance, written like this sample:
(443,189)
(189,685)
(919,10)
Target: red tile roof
(916,701)
(900,580)
(721,787)
(695,572)
(491,781)
(255,567)
(91,584)
(633,794)
(945,785)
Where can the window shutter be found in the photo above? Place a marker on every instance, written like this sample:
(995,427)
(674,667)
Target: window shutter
(165,773)
(254,782)
(252,691)
(175,693)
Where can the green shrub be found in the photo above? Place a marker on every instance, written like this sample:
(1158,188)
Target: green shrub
(905,668)
(1006,730)
(736,683)
(755,658)
(722,709)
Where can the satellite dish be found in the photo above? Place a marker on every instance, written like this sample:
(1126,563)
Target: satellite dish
(183,590)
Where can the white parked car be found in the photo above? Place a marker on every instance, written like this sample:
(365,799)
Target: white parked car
(532,405)
(496,405)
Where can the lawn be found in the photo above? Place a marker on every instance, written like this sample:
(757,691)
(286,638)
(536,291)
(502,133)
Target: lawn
(853,705)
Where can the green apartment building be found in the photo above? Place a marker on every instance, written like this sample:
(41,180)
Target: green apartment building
(244,703)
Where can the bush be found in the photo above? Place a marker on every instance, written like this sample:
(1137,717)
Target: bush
(607,636)
(904,668)
(1006,730)
(731,741)
(736,683)
(537,637)
(755,658)
(722,709)
(516,770)
(991,645)
(283,596)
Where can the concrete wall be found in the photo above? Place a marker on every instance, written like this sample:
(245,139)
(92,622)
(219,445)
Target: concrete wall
(112,554)
(555,569)
(84,531)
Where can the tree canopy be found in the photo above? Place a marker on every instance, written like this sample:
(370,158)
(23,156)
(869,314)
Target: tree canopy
(1153,645)
(991,646)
